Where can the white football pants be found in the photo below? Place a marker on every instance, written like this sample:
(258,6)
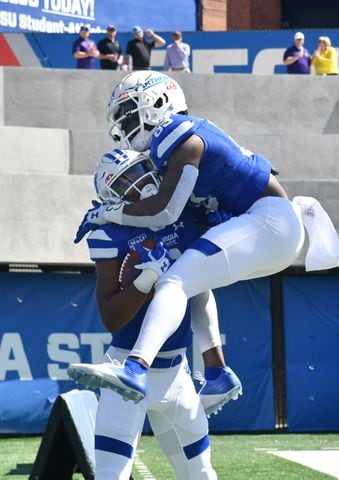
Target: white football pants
(263,241)
(176,416)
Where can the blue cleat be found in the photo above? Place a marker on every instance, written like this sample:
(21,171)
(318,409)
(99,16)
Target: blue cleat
(122,379)
(214,394)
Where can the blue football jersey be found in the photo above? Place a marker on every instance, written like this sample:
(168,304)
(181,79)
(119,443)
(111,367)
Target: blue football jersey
(230,177)
(113,241)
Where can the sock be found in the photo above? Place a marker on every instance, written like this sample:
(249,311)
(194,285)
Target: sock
(211,373)
(135,367)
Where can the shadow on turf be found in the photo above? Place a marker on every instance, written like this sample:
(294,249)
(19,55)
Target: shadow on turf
(21,469)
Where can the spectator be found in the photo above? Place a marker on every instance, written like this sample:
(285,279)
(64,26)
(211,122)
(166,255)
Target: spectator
(177,54)
(325,58)
(110,52)
(297,58)
(138,51)
(85,50)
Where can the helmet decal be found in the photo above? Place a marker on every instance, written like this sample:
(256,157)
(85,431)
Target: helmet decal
(139,104)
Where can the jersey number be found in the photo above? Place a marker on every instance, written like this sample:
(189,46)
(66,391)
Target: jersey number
(158,130)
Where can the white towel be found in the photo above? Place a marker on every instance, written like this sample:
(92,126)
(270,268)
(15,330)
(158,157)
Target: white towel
(323,251)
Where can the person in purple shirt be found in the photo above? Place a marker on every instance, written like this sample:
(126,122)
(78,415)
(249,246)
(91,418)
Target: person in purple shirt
(297,58)
(85,50)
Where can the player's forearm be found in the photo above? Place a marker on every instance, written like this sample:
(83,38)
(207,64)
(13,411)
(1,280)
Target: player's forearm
(164,208)
(117,311)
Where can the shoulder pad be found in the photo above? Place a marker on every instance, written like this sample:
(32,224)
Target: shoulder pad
(168,135)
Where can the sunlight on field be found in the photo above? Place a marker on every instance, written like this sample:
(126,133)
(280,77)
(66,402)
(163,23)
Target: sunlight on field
(234,457)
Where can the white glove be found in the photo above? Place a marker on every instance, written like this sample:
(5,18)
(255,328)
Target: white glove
(93,218)
(154,264)
(99,214)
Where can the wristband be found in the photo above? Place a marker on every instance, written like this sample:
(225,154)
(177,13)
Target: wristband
(145,281)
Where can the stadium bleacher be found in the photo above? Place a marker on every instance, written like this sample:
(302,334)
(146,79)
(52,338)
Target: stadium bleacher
(53,131)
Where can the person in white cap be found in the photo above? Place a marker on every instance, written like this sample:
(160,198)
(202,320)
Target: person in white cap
(297,57)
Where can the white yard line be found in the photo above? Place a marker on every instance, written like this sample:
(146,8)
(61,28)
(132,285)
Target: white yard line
(141,467)
(325,461)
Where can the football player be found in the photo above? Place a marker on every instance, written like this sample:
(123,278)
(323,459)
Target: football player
(200,164)
(174,409)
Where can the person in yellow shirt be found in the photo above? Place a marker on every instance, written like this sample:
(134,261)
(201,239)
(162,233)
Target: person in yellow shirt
(325,58)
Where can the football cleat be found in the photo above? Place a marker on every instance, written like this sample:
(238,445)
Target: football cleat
(214,394)
(119,378)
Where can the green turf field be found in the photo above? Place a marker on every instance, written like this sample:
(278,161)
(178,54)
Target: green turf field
(235,457)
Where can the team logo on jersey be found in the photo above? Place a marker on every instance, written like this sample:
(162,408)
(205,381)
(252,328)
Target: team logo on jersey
(178,225)
(170,239)
(135,240)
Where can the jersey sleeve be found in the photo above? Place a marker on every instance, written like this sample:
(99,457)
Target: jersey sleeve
(169,135)
(108,242)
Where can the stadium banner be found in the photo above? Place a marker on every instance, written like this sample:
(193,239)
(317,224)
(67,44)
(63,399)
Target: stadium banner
(311,317)
(243,52)
(48,320)
(244,311)
(66,16)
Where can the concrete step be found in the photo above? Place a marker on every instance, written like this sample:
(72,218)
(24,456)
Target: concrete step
(39,216)
(71,99)
(297,157)
(34,150)
(39,226)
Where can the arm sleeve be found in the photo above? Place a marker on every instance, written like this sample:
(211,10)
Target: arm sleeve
(175,206)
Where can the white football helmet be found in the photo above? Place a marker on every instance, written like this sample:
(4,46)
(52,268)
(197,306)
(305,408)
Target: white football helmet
(125,175)
(139,104)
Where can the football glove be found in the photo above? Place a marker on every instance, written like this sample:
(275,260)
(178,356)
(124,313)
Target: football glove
(154,263)
(215,217)
(91,221)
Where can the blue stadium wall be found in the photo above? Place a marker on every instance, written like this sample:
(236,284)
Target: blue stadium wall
(60,16)
(48,320)
(257,52)
(41,33)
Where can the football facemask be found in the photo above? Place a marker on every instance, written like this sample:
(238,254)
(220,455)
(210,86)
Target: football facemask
(125,175)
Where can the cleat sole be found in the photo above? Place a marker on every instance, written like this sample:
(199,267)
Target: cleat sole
(231,395)
(98,381)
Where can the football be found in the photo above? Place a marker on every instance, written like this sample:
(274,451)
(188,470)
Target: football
(127,272)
